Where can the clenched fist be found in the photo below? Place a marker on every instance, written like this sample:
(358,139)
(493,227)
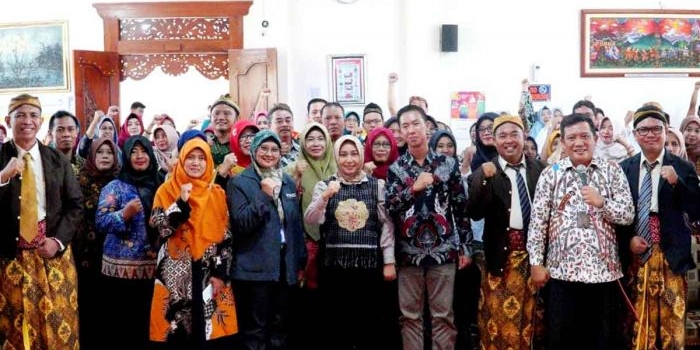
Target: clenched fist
(489,169)
(424,180)
(333,188)
(185,191)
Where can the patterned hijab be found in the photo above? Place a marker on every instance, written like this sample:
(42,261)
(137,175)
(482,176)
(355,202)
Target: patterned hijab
(267,173)
(209,214)
(382,168)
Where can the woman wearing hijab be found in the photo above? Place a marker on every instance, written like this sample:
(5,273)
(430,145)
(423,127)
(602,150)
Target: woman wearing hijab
(675,143)
(268,244)
(530,148)
(610,146)
(551,152)
(133,126)
(165,141)
(357,247)
(690,127)
(241,137)
(129,252)
(485,149)
(103,126)
(380,152)
(315,163)
(101,167)
(192,301)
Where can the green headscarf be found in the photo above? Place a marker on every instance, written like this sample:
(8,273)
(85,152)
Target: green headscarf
(320,169)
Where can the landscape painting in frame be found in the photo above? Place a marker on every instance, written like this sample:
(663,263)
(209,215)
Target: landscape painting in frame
(617,43)
(34,57)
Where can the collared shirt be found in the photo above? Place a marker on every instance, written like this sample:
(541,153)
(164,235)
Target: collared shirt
(38,169)
(435,227)
(315,214)
(292,155)
(574,252)
(516,213)
(655,175)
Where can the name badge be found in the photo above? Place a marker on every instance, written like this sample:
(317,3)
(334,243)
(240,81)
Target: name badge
(291,195)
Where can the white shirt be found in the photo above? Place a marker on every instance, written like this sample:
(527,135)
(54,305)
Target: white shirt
(516,213)
(655,175)
(37,168)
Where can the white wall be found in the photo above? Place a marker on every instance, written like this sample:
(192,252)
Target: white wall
(499,40)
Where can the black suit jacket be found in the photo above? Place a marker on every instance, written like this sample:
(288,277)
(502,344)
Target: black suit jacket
(673,202)
(64,200)
(490,199)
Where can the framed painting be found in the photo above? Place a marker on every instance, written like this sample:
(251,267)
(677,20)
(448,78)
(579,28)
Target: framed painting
(347,74)
(34,57)
(641,43)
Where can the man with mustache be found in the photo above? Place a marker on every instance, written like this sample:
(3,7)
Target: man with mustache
(282,123)
(571,238)
(333,117)
(65,128)
(40,209)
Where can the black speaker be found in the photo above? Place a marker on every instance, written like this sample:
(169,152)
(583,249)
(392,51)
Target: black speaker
(448,38)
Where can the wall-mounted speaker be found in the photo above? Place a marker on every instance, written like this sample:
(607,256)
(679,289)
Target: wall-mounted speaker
(448,38)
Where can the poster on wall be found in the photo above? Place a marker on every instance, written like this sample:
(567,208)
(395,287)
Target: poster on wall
(348,79)
(540,92)
(467,105)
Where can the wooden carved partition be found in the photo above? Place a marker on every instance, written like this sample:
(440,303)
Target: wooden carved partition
(174,36)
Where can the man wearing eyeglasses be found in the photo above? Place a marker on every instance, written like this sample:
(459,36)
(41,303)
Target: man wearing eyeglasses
(372,117)
(664,188)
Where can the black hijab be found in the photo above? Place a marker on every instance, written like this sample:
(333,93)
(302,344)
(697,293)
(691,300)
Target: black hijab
(146,182)
(483,153)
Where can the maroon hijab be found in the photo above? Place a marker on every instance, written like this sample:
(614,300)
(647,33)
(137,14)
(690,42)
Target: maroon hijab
(382,168)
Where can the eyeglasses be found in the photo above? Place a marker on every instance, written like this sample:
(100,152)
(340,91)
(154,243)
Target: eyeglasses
(378,145)
(372,121)
(486,128)
(656,130)
(269,150)
(247,136)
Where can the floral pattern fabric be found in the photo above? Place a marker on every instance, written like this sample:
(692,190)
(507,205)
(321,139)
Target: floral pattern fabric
(579,240)
(434,226)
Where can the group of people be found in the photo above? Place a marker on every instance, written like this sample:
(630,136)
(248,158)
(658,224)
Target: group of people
(359,232)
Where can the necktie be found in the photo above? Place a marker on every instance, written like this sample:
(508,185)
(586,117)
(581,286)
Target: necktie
(643,208)
(28,211)
(523,195)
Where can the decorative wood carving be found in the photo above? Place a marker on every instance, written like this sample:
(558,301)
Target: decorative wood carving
(173,35)
(174,29)
(137,67)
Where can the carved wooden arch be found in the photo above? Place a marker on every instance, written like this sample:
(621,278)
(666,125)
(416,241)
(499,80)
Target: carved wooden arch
(173,36)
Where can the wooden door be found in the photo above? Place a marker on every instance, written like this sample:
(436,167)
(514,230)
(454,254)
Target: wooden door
(249,71)
(96,83)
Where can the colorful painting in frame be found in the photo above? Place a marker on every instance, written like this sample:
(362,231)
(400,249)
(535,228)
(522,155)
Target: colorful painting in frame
(348,79)
(34,57)
(623,43)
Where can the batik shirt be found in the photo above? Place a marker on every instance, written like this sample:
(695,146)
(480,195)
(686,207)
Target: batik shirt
(560,237)
(293,154)
(433,223)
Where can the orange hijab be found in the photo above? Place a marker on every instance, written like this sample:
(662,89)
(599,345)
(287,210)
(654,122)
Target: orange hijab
(209,213)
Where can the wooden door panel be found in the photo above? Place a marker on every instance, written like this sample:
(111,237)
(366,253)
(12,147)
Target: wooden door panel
(249,71)
(96,83)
